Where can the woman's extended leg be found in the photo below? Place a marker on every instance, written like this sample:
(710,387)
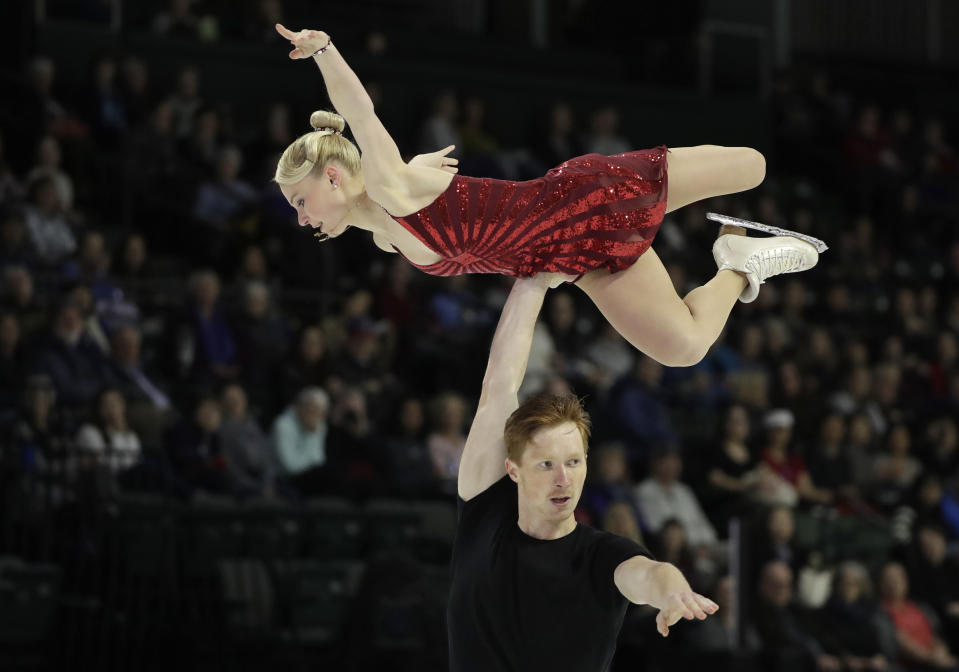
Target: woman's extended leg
(641,302)
(705,171)
(643,306)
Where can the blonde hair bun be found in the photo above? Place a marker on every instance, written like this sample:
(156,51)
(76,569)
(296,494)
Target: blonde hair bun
(324,119)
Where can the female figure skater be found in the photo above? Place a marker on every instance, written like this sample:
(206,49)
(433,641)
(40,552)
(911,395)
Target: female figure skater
(591,219)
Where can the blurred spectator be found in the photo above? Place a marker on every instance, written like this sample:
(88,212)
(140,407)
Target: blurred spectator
(447,439)
(919,643)
(196,452)
(21,300)
(274,137)
(357,462)
(178,20)
(934,577)
(663,496)
(609,482)
(260,26)
(132,265)
(14,246)
(558,143)
(77,365)
(48,163)
(715,635)
(732,475)
(80,296)
(409,466)
(569,339)
(135,87)
(941,454)
(829,466)
(776,540)
(220,202)
(789,468)
(475,138)
(108,447)
(201,148)
(307,365)
(851,626)
(10,188)
(261,342)
(611,356)
(896,470)
(186,101)
(13,367)
(439,129)
(784,628)
(637,411)
(363,364)
(604,137)
(395,299)
(105,107)
(206,346)
(620,519)
(670,545)
(47,226)
(41,436)
(129,374)
(245,446)
(299,442)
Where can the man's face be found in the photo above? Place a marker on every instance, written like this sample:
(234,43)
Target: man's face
(551,472)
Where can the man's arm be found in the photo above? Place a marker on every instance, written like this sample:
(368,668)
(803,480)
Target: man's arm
(661,585)
(484,457)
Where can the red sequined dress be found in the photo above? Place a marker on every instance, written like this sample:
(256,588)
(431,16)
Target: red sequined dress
(591,212)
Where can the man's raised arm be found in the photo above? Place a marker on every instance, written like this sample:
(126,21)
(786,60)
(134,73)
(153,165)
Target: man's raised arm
(484,458)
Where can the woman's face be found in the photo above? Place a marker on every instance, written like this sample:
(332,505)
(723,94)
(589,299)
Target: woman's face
(320,203)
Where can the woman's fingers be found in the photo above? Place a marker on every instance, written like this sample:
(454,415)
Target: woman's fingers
(284,31)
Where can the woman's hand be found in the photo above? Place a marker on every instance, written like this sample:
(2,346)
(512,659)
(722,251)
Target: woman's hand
(437,159)
(306,42)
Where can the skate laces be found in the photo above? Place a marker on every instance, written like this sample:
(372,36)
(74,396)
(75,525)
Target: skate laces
(773,261)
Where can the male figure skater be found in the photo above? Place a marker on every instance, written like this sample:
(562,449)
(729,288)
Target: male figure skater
(531,588)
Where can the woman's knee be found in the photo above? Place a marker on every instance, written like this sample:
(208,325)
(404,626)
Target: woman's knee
(686,348)
(754,167)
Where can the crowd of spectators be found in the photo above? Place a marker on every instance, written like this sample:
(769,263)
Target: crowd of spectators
(163,329)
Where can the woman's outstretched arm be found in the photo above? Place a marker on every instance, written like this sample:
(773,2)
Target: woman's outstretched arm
(381,157)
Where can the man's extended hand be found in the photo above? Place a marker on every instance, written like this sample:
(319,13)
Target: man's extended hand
(685,604)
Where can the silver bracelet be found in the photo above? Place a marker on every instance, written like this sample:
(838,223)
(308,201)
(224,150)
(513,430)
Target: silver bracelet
(329,43)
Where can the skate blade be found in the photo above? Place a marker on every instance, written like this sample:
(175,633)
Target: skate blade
(775,230)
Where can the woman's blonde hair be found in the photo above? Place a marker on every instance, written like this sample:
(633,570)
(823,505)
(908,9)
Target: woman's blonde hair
(312,151)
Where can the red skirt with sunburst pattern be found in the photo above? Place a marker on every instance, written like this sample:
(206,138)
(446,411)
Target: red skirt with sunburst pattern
(591,212)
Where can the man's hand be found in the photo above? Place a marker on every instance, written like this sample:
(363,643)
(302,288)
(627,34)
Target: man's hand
(437,159)
(685,604)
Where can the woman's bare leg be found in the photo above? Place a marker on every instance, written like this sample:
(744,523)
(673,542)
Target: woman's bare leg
(705,171)
(641,302)
(645,309)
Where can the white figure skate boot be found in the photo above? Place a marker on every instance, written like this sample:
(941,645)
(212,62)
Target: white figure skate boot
(762,258)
